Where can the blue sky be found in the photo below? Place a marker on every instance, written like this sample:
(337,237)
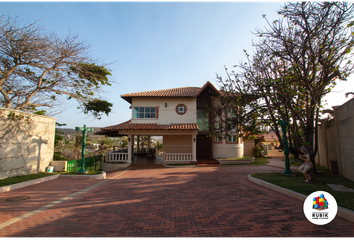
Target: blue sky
(152,46)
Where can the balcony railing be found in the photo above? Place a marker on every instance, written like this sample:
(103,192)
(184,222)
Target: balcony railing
(116,157)
(178,156)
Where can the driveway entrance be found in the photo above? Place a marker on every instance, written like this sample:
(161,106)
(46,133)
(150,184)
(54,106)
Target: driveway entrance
(165,202)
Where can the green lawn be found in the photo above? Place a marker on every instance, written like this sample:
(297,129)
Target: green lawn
(257,161)
(298,164)
(344,199)
(260,161)
(13,180)
(75,173)
(240,158)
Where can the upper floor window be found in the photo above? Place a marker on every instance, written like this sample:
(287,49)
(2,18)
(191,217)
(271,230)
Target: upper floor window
(145,112)
(181,109)
(230,112)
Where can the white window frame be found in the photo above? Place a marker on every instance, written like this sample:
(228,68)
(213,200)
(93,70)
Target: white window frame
(137,117)
(232,139)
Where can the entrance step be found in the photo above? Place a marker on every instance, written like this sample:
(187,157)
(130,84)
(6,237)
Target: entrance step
(145,166)
(208,165)
(207,162)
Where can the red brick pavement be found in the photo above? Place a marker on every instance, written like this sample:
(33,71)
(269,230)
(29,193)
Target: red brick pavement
(166,202)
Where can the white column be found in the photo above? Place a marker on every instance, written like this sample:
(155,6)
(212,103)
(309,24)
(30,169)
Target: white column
(130,144)
(194,147)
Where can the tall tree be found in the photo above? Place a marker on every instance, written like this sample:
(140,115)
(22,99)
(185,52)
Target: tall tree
(37,69)
(297,60)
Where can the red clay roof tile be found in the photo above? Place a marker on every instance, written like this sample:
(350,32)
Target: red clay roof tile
(149,126)
(183,92)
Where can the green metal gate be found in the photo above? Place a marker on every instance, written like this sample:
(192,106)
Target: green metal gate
(91,164)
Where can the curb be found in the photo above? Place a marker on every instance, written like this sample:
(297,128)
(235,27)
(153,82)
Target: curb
(342,212)
(83,176)
(166,165)
(27,183)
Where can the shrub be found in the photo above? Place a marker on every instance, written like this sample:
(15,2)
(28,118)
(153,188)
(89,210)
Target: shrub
(257,151)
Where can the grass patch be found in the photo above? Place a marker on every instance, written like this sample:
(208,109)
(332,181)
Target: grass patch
(116,162)
(260,161)
(344,199)
(298,164)
(89,173)
(19,179)
(241,158)
(257,161)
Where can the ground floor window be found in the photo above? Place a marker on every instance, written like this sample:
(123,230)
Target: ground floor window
(218,139)
(232,139)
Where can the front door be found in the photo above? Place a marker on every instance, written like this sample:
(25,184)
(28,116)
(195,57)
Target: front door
(204,147)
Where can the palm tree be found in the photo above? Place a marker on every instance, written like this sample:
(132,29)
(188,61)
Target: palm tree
(158,146)
(124,143)
(77,144)
(104,144)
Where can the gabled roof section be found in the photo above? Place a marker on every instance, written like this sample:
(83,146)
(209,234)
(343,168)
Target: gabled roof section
(208,86)
(146,126)
(183,92)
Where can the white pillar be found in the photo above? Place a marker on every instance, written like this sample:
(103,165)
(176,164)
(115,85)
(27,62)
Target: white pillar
(130,144)
(194,147)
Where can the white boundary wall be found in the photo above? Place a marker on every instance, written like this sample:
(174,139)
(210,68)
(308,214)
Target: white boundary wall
(30,149)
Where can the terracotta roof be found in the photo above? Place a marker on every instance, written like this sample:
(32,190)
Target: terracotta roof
(183,92)
(147,126)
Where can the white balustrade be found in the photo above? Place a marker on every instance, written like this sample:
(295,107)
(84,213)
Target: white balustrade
(117,157)
(178,156)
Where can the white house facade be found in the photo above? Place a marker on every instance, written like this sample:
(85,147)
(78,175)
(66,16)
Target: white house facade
(181,117)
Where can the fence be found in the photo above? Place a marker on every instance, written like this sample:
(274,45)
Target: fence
(91,164)
(178,156)
(116,156)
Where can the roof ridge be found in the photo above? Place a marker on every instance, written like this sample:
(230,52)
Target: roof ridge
(159,90)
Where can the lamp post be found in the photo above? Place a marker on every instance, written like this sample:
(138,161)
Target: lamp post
(84,134)
(287,171)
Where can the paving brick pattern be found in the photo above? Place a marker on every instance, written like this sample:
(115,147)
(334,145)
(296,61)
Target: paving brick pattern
(175,202)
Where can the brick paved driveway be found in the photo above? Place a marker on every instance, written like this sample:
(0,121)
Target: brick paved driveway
(183,202)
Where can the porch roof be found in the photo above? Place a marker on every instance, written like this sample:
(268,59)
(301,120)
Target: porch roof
(146,126)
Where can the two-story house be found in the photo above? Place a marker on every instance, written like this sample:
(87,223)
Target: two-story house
(181,116)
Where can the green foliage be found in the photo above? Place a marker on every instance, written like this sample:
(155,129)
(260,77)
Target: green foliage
(297,60)
(94,74)
(39,69)
(104,145)
(96,107)
(58,143)
(124,142)
(41,112)
(58,156)
(159,146)
(257,151)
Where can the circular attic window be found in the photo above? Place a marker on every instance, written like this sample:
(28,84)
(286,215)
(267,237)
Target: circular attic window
(181,109)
